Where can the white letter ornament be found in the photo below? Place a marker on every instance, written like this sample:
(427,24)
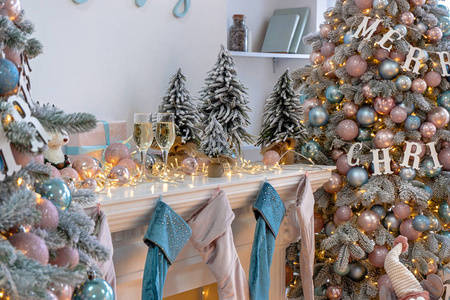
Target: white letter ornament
(444,58)
(415,54)
(350,155)
(434,155)
(408,154)
(386,161)
(387,37)
(364,31)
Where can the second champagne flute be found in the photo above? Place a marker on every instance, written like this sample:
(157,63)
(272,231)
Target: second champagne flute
(143,137)
(165,135)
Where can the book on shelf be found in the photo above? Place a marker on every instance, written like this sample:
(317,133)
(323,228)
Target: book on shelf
(280,33)
(303,13)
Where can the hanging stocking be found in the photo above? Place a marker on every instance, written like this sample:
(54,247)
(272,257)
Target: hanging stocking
(269,212)
(213,238)
(166,235)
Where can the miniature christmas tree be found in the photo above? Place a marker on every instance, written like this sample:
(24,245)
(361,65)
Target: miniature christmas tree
(44,244)
(215,142)
(224,96)
(376,105)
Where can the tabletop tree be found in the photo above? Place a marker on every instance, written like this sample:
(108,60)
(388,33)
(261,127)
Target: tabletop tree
(375,104)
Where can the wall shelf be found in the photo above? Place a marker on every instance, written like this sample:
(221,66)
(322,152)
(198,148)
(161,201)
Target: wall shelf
(275,56)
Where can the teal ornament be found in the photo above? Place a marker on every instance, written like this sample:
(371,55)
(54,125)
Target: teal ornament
(422,27)
(340,271)
(445,233)
(140,3)
(9,76)
(330,227)
(357,176)
(320,290)
(388,69)
(391,222)
(380,4)
(434,223)
(403,83)
(444,100)
(444,25)
(425,57)
(421,223)
(444,7)
(401,29)
(379,210)
(366,116)
(444,212)
(364,134)
(55,190)
(348,37)
(358,271)
(412,123)
(410,108)
(427,166)
(2,164)
(318,116)
(429,190)
(96,288)
(407,173)
(333,94)
(310,149)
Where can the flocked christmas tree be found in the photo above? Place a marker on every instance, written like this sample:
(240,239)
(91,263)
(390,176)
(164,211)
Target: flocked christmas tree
(44,244)
(376,105)
(215,142)
(224,96)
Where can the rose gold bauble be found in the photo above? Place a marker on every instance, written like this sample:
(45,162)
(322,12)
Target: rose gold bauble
(397,56)
(433,79)
(270,158)
(347,130)
(310,104)
(66,256)
(116,152)
(398,114)
(50,295)
(61,290)
(438,116)
(417,2)
(337,221)
(413,149)
(356,65)
(368,221)
(325,30)
(329,67)
(319,222)
(316,57)
(383,106)
(11,8)
(444,158)
(31,245)
(334,292)
(89,184)
(367,92)
(407,230)
(378,256)
(328,49)
(432,269)
(70,172)
(402,210)
(336,153)
(384,138)
(49,214)
(86,166)
(406,18)
(334,184)
(344,213)
(13,56)
(395,167)
(342,165)
(129,164)
(380,54)
(434,34)
(427,129)
(350,109)
(55,171)
(419,86)
(363,4)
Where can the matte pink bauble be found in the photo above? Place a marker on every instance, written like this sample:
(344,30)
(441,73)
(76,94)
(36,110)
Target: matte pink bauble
(89,184)
(316,57)
(407,230)
(325,30)
(328,49)
(378,256)
(433,79)
(66,256)
(413,149)
(50,295)
(334,184)
(70,172)
(86,166)
(356,65)
(13,56)
(55,171)
(189,165)
(116,152)
(129,164)
(402,210)
(368,221)
(334,292)
(350,109)
(380,54)
(61,290)
(336,153)
(397,56)
(363,4)
(39,159)
(347,130)
(344,213)
(417,2)
(438,116)
(398,114)
(31,245)
(384,280)
(49,214)
(310,104)
(384,138)
(444,158)
(434,34)
(270,158)
(337,221)
(419,86)
(11,8)
(427,130)
(329,67)
(319,222)
(342,165)
(21,158)
(383,106)
(406,18)
(367,92)
(120,173)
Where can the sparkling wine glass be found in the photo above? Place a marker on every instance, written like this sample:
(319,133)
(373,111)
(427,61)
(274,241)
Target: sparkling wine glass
(165,136)
(143,137)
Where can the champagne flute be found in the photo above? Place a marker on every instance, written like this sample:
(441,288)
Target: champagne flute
(143,137)
(165,135)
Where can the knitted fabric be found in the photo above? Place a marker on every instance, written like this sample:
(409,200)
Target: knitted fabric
(418,296)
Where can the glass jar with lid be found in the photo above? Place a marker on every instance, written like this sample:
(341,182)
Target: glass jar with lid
(239,34)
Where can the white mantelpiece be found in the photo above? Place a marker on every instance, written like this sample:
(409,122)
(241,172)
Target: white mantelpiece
(129,210)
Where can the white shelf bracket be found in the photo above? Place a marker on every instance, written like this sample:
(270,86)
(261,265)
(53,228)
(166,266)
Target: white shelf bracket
(275,62)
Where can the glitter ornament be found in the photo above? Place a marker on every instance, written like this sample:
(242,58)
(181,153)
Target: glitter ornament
(391,222)
(358,271)
(319,222)
(333,94)
(368,221)
(407,230)
(379,210)
(318,116)
(421,223)
(116,152)
(356,65)
(344,213)
(325,30)
(310,104)
(336,153)
(363,4)
(329,67)
(384,138)
(9,76)
(316,57)
(407,18)
(71,173)
(407,173)
(434,34)
(49,214)
(347,130)
(31,245)
(66,257)
(378,256)
(402,210)
(444,25)
(380,4)
(444,158)
(384,106)
(433,78)
(310,149)
(350,109)
(439,116)
(56,191)
(397,56)
(419,86)
(427,129)
(412,123)
(327,49)
(367,92)
(334,292)
(89,184)
(398,114)
(11,9)
(357,176)
(334,184)
(427,166)
(366,116)
(129,164)
(388,69)
(189,165)
(120,173)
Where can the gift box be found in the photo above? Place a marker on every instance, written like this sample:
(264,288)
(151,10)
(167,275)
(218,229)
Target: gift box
(94,143)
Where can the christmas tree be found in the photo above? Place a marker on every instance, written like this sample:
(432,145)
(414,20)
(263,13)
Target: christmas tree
(376,105)
(44,245)
(224,96)
(215,142)
(179,102)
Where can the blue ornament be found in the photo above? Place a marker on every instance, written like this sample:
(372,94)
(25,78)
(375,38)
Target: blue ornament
(407,173)
(444,211)
(391,222)
(357,176)
(303,98)
(412,123)
(320,290)
(348,37)
(403,83)
(96,288)
(445,233)
(422,27)
(425,56)
(2,164)
(366,116)
(410,108)
(427,166)
(318,116)
(401,29)
(340,271)
(379,210)
(444,25)
(444,100)
(445,8)
(9,76)
(333,94)
(429,190)
(310,149)
(388,69)
(421,223)
(364,134)
(380,4)
(56,191)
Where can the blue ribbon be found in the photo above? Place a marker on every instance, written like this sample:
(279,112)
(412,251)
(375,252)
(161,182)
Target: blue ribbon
(187,5)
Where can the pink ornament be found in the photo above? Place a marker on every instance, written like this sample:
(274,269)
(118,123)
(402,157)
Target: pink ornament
(189,165)
(316,57)
(334,292)
(31,245)
(337,221)
(368,221)
(13,56)
(342,165)
(438,116)
(116,152)
(367,92)
(356,65)
(49,214)
(325,30)
(395,167)
(39,159)
(413,149)
(344,213)
(55,171)
(21,158)
(328,49)
(61,290)
(444,158)
(203,163)
(50,295)
(383,106)
(434,34)
(417,2)
(70,172)
(363,4)
(129,164)
(379,27)
(270,158)
(407,18)
(350,109)
(384,138)
(381,54)
(66,256)
(120,173)
(336,153)
(86,166)
(11,8)
(384,280)
(433,79)
(427,130)
(319,222)
(378,256)
(310,104)
(402,210)
(89,184)
(397,56)
(347,130)
(419,86)
(329,67)
(398,114)
(407,230)
(432,269)
(334,184)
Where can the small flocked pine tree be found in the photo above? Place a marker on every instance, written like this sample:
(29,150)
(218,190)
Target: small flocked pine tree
(178,101)
(49,232)
(224,96)
(215,142)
